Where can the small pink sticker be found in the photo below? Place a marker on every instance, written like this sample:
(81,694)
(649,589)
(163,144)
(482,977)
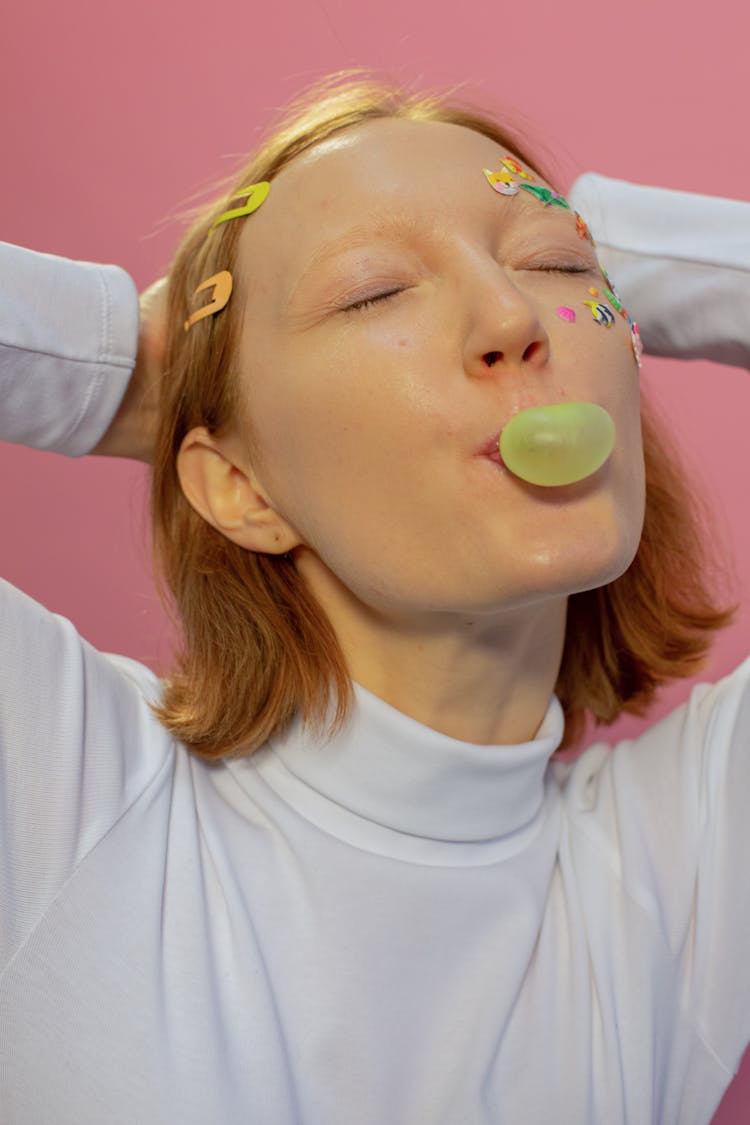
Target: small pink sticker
(566,314)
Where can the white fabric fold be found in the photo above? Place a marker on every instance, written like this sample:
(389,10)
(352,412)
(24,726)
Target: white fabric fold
(681,262)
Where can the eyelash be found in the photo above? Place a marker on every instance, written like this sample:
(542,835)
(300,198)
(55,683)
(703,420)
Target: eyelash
(368,302)
(563,269)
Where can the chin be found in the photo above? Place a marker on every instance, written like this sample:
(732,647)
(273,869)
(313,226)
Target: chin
(592,564)
(583,555)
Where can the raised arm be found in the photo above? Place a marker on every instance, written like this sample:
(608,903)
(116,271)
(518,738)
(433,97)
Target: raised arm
(68,340)
(78,741)
(681,262)
(131,431)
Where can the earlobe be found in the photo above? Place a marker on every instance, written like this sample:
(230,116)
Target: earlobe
(222,490)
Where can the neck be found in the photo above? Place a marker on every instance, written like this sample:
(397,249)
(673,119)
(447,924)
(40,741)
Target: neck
(485,679)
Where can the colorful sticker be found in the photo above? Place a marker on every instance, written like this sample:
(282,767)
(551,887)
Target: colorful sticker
(221,284)
(517,169)
(635,339)
(582,228)
(502,182)
(612,293)
(546,195)
(613,299)
(566,314)
(601,313)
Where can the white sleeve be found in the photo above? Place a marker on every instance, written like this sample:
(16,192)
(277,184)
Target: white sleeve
(680,261)
(667,814)
(78,741)
(68,339)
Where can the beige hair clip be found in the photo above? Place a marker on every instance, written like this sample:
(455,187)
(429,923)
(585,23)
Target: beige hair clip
(221,284)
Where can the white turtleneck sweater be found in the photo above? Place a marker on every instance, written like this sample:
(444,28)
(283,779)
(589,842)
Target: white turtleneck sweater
(386,928)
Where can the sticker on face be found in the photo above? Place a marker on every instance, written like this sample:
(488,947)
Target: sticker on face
(517,169)
(601,313)
(612,295)
(566,313)
(506,183)
(635,339)
(614,300)
(583,230)
(502,182)
(547,196)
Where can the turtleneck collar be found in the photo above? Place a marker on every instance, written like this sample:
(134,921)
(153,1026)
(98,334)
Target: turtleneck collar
(384,773)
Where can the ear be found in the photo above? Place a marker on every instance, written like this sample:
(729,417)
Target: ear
(222,488)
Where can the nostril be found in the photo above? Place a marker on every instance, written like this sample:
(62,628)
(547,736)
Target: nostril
(491,358)
(531,351)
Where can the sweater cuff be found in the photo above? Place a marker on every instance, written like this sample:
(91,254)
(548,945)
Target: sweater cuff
(681,262)
(68,341)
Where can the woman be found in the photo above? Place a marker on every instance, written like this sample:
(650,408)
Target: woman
(294,899)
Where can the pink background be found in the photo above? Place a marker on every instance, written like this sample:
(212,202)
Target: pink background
(115,115)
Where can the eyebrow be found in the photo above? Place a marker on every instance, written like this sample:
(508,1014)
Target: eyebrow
(385,226)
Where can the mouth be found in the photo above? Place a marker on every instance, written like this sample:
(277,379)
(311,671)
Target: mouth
(491,449)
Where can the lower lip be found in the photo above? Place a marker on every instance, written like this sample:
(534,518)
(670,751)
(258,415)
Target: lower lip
(494,455)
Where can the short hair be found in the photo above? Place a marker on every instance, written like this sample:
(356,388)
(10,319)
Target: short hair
(256,648)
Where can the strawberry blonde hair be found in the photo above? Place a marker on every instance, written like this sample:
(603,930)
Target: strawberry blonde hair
(256,647)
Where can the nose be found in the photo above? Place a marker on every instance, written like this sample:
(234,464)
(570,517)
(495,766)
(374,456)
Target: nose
(504,331)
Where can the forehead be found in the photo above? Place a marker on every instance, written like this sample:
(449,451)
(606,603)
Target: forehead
(392,154)
(372,173)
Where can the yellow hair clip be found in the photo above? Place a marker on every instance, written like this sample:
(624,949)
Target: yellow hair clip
(255,195)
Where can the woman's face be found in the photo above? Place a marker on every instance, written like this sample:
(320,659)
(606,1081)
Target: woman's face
(398,313)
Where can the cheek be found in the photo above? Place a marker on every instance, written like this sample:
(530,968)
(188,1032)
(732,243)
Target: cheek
(335,428)
(599,363)
(371,389)
(600,366)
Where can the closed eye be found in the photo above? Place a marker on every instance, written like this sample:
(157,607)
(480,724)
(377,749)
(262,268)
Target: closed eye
(368,302)
(567,269)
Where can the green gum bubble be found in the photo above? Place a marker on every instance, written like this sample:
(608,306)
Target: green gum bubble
(558,444)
